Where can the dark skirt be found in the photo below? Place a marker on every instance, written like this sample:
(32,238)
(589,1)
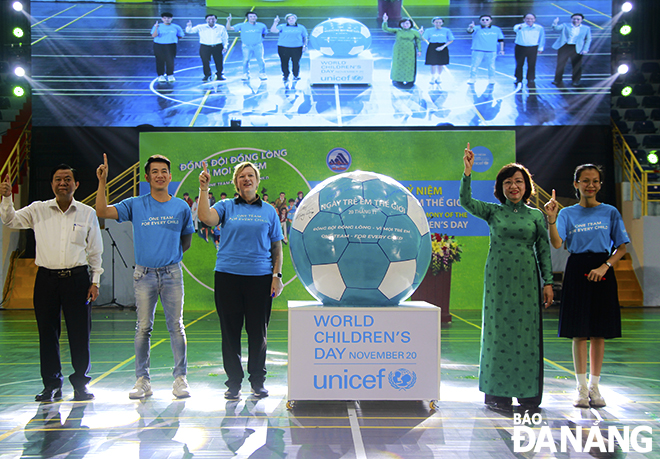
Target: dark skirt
(434,57)
(589,309)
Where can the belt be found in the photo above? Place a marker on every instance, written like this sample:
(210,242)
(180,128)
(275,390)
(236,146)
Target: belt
(212,46)
(64,273)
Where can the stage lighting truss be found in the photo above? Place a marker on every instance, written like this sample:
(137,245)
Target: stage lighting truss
(652,157)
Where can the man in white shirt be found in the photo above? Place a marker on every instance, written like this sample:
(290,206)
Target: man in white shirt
(69,248)
(530,41)
(213,42)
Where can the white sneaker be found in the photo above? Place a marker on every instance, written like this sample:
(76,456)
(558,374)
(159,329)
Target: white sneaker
(171,79)
(141,389)
(595,399)
(471,81)
(180,388)
(581,397)
(245,77)
(162,79)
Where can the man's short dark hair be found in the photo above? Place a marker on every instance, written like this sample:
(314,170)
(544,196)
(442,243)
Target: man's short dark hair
(156,159)
(577,14)
(250,12)
(486,16)
(64,167)
(211,14)
(166,15)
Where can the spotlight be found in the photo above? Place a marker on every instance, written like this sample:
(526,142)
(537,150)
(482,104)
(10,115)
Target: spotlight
(652,157)
(18,6)
(626,7)
(626,91)
(19,71)
(18,91)
(623,68)
(18,32)
(625,30)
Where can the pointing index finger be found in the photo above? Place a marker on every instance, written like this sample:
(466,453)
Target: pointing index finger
(553,194)
(205,169)
(105,160)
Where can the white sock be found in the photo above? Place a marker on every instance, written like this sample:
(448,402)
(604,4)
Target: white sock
(581,379)
(594,380)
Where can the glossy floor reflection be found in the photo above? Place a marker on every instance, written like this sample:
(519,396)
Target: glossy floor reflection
(206,425)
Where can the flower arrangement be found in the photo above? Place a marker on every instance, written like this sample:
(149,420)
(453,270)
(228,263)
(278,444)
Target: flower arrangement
(445,251)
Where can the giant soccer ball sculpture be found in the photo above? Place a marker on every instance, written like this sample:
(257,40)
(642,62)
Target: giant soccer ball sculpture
(340,37)
(360,239)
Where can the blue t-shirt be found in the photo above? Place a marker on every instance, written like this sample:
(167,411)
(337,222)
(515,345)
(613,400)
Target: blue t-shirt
(591,229)
(157,228)
(442,35)
(167,34)
(251,34)
(248,230)
(291,36)
(486,38)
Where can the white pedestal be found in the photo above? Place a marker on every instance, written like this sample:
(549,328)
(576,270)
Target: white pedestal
(364,353)
(349,70)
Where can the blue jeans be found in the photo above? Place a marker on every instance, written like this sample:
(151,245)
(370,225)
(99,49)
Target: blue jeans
(149,284)
(256,50)
(477,57)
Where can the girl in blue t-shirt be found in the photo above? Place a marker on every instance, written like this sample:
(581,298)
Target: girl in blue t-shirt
(596,238)
(437,54)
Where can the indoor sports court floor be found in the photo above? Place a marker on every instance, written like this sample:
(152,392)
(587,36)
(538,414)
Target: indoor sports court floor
(93,65)
(206,425)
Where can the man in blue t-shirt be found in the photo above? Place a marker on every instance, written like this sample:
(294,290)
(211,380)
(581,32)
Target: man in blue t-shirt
(485,39)
(252,43)
(162,231)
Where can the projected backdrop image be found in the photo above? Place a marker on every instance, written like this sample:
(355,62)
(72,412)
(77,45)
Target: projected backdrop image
(94,65)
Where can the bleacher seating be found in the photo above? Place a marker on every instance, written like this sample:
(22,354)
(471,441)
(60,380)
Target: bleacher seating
(628,102)
(632,141)
(635,114)
(645,89)
(651,101)
(651,141)
(655,114)
(644,127)
(623,126)
(650,67)
(634,78)
(654,78)
(615,115)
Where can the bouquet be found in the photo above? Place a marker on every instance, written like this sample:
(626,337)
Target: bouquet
(445,251)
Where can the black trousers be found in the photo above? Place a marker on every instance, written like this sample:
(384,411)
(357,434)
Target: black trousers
(165,58)
(52,296)
(565,53)
(290,54)
(206,52)
(241,299)
(526,52)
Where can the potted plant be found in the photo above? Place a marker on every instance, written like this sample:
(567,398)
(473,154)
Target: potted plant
(435,288)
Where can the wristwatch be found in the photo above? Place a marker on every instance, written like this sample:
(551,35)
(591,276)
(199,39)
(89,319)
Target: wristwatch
(609,265)
(277,275)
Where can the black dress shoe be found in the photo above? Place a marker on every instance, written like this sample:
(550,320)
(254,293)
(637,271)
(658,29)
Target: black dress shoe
(82,394)
(49,394)
(233,393)
(259,391)
(221,78)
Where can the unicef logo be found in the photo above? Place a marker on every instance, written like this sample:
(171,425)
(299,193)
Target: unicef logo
(402,379)
(338,160)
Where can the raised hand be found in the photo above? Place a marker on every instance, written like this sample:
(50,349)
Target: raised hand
(276,20)
(156,25)
(189,24)
(556,21)
(552,208)
(5,187)
(471,26)
(229,18)
(468,160)
(385,17)
(204,179)
(102,170)
(421,30)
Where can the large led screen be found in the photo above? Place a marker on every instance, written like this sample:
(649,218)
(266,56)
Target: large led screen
(93,64)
